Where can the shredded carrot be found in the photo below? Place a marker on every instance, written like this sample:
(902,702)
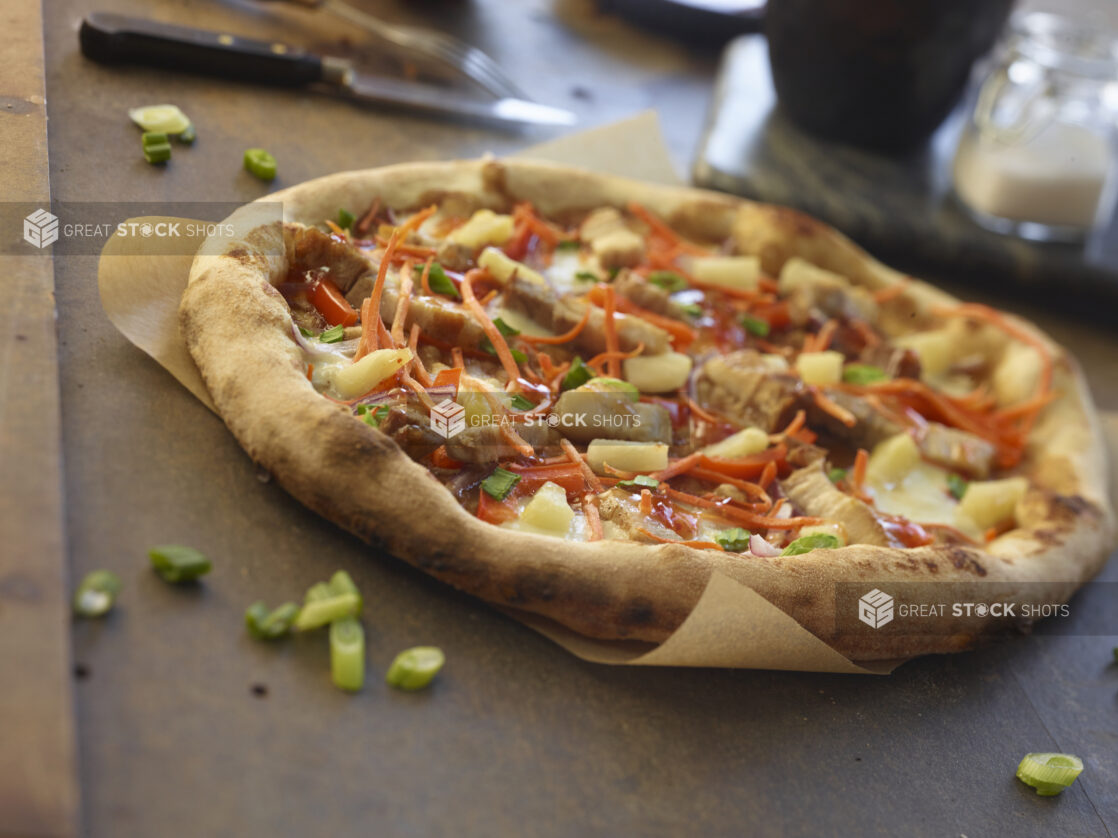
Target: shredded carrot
(613,364)
(366,330)
(371,337)
(457,359)
(768,475)
(593,517)
(488,298)
(425,279)
(776,506)
(516,440)
(836,410)
(891,292)
(563,338)
(383,335)
(866,332)
(793,426)
(587,473)
(680,333)
(858,475)
(680,466)
(701,412)
(663,231)
(1025,408)
(736,513)
(696,545)
(417,219)
(403,303)
(608,357)
(448,378)
(493,333)
(335,229)
(404,249)
(417,388)
(990,534)
(525,213)
(416,363)
(646,502)
(754,490)
(823,339)
(310,371)
(362,226)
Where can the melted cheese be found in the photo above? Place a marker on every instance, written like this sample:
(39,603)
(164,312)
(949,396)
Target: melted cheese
(922,497)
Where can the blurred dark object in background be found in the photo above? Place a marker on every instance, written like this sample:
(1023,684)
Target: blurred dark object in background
(706,21)
(880,74)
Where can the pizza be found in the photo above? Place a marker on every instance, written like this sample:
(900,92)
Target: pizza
(579,396)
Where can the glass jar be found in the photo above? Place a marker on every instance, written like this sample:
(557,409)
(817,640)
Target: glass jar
(1037,158)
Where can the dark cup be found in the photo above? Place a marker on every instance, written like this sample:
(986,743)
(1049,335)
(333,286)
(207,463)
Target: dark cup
(880,74)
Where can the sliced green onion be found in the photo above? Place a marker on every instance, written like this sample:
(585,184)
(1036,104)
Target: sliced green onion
(373,417)
(1049,774)
(156,146)
(670,281)
(734,539)
(504,328)
(342,583)
(957,486)
(347,654)
(642,481)
(499,483)
(440,283)
(346,219)
(260,163)
(307,333)
(692,310)
(586,276)
(178,563)
(577,375)
(807,543)
(519,402)
(413,669)
(165,119)
(755,326)
(269,625)
(188,135)
(318,591)
(836,475)
(568,244)
(96,593)
(320,611)
(486,345)
(333,334)
(863,374)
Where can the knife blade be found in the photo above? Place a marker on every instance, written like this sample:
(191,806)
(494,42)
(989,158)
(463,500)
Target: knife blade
(118,39)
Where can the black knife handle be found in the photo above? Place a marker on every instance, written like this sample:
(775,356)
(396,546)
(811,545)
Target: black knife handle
(118,39)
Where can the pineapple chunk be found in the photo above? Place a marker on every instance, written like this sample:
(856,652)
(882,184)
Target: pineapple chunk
(1015,378)
(548,509)
(936,350)
(741,444)
(799,273)
(502,268)
(892,459)
(658,373)
(820,367)
(363,375)
(836,529)
(728,271)
(627,456)
(991,503)
(484,227)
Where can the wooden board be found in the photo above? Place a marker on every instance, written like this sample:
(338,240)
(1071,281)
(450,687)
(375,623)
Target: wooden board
(38,763)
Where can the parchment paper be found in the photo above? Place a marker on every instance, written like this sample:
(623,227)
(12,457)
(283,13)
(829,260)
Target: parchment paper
(731,626)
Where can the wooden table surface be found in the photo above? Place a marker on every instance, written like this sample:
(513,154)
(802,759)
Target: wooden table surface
(517,737)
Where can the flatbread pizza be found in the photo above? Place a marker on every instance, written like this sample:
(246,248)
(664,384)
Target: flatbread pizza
(579,396)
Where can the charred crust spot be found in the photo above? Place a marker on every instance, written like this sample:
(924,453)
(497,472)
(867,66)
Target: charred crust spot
(1065,509)
(240,254)
(965,560)
(639,612)
(932,565)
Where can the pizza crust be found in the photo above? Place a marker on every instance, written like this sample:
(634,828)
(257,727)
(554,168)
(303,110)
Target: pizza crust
(238,330)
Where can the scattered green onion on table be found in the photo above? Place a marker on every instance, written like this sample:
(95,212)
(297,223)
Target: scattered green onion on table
(177,563)
(1049,774)
(96,593)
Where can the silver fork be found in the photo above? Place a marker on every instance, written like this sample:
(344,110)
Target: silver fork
(470,61)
